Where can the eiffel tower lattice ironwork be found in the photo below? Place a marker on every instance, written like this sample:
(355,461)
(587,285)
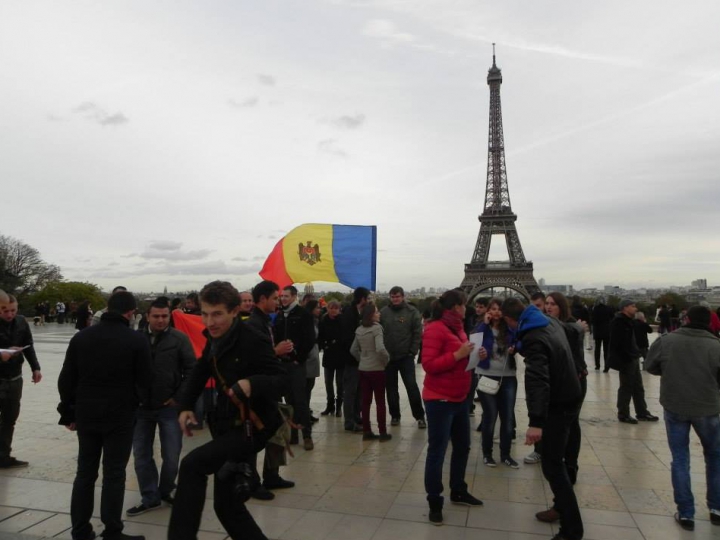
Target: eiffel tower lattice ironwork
(497,217)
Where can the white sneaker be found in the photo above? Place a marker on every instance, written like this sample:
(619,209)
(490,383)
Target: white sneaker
(532,458)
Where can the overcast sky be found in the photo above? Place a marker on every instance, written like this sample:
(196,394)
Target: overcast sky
(169,143)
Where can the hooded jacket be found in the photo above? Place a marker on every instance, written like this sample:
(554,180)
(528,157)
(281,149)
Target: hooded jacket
(551,379)
(402,325)
(368,348)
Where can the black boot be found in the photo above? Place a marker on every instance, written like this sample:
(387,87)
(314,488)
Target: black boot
(330,409)
(338,408)
(435,515)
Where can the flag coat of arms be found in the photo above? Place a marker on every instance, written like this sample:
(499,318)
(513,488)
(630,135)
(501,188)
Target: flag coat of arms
(344,254)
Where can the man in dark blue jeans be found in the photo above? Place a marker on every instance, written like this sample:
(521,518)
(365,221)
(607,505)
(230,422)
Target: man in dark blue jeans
(172,361)
(553,395)
(688,360)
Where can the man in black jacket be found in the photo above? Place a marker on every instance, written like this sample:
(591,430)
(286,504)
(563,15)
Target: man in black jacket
(295,324)
(265,299)
(553,396)
(172,361)
(105,375)
(351,378)
(15,334)
(250,381)
(624,355)
(333,362)
(601,317)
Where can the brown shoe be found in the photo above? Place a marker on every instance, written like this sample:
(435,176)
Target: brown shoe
(308,443)
(548,516)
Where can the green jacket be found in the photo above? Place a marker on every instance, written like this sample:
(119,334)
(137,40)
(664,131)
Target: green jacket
(403,330)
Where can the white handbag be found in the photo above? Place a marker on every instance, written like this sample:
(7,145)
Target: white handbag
(488,386)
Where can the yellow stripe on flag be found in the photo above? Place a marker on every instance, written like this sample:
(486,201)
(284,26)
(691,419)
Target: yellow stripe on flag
(308,252)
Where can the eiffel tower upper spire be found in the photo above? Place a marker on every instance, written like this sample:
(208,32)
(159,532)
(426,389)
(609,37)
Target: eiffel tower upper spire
(497,218)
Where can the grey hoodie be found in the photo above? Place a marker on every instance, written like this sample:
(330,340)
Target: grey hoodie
(368,348)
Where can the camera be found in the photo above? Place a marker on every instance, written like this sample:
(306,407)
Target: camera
(241,476)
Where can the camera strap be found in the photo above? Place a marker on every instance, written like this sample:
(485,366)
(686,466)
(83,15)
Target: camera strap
(246,415)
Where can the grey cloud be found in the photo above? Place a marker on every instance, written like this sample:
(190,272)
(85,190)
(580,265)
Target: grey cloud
(165,245)
(208,268)
(345,121)
(329,147)
(240,259)
(94,113)
(54,118)
(259,258)
(267,80)
(245,104)
(175,255)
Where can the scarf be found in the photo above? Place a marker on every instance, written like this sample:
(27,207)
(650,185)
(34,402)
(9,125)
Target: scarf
(453,320)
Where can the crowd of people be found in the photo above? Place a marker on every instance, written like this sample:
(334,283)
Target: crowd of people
(263,350)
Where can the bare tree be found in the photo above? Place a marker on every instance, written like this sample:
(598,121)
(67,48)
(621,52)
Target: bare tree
(22,270)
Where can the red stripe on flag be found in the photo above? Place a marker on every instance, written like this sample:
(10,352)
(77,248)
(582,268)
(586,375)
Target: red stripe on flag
(274,268)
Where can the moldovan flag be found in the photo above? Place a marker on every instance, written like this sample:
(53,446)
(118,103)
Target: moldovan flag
(344,254)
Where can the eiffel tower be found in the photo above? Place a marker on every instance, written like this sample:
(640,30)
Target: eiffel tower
(497,217)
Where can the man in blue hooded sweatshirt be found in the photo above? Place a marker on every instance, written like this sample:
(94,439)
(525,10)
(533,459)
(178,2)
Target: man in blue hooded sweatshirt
(553,394)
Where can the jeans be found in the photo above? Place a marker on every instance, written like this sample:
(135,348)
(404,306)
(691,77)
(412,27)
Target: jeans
(447,421)
(604,343)
(405,366)
(351,396)
(336,375)
(707,429)
(298,397)
(113,442)
(554,445)
(154,487)
(192,483)
(502,404)
(631,387)
(10,395)
(373,382)
(473,390)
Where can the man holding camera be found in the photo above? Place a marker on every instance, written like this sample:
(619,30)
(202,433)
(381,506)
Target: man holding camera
(250,381)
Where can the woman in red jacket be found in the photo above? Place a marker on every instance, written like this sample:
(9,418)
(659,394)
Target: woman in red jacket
(445,351)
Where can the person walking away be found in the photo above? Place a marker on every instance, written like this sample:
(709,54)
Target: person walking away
(369,350)
(688,363)
(601,317)
(447,382)
(312,365)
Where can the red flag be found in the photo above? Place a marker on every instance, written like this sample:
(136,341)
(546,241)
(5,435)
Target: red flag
(192,326)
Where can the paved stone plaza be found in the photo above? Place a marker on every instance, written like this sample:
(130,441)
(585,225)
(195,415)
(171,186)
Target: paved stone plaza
(353,490)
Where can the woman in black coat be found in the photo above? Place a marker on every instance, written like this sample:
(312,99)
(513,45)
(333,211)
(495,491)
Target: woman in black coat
(83,315)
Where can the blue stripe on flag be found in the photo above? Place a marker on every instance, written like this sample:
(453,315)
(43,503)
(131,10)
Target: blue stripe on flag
(355,255)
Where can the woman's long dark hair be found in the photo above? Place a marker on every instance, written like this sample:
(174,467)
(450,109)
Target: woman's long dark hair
(502,339)
(448,300)
(562,303)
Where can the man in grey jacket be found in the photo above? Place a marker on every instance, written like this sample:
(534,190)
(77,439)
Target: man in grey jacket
(173,359)
(688,360)
(402,326)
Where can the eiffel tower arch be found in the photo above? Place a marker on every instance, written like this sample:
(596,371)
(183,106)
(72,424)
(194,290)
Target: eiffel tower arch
(497,218)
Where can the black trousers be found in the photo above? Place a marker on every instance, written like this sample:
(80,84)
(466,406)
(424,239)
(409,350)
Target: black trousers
(113,442)
(631,387)
(572,450)
(298,397)
(554,446)
(10,395)
(192,484)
